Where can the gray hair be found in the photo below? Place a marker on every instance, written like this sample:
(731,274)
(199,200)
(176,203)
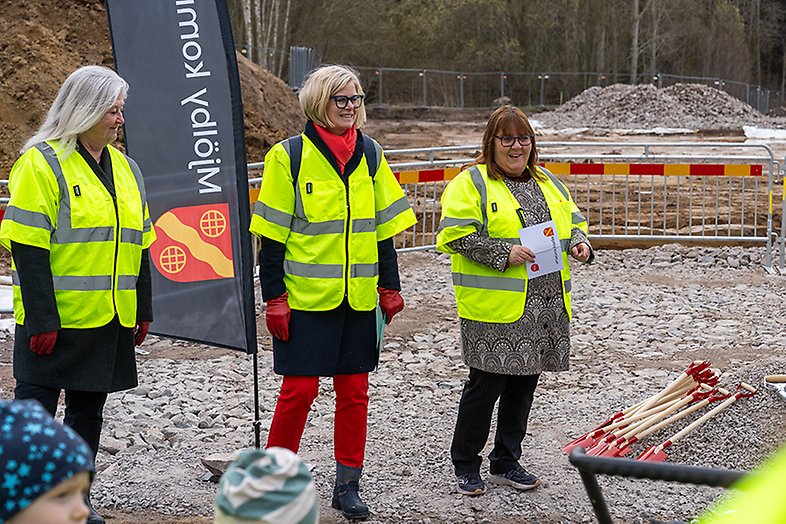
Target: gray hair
(83,100)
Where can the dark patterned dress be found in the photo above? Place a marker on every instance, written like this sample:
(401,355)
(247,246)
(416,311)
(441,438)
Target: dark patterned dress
(540,339)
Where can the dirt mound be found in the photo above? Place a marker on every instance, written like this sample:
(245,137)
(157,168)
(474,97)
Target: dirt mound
(272,112)
(692,106)
(42,42)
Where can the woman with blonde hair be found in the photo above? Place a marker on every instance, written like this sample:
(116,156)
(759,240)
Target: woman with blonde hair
(327,213)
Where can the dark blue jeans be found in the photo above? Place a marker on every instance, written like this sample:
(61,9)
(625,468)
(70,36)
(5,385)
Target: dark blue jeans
(84,410)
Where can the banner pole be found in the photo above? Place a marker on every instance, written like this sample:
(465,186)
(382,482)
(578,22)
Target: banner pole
(257,422)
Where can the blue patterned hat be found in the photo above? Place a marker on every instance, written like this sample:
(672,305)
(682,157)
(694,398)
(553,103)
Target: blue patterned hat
(36,454)
(269,486)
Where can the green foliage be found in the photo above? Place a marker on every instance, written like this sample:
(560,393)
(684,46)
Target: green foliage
(733,39)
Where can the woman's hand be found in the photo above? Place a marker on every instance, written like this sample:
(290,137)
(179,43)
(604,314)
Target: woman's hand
(277,314)
(140,331)
(520,254)
(43,343)
(581,252)
(391,302)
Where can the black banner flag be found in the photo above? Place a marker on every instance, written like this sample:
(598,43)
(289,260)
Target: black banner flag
(184,127)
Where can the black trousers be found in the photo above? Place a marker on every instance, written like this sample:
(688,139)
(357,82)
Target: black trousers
(481,391)
(84,410)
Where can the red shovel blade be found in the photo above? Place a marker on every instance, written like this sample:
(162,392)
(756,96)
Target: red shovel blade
(652,454)
(590,438)
(598,449)
(586,442)
(623,451)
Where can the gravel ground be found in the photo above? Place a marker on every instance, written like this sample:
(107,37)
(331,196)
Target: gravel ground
(683,106)
(641,316)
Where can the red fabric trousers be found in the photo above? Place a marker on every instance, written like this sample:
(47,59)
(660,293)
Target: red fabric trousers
(349,430)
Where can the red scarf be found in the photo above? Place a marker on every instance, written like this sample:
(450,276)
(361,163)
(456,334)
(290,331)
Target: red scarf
(342,146)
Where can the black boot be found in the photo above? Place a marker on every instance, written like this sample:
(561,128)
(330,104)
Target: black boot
(94,517)
(345,493)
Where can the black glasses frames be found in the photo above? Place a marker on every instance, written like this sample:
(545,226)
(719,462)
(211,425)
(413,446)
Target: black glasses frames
(508,141)
(343,101)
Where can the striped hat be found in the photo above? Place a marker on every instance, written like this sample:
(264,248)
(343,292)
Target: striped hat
(36,454)
(270,486)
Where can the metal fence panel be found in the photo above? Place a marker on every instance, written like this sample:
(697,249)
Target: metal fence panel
(462,89)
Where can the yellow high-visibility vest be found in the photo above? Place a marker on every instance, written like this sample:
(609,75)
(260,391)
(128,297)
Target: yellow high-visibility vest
(95,243)
(330,229)
(756,498)
(473,202)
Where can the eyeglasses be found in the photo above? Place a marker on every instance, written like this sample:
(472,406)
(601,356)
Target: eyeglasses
(508,141)
(343,101)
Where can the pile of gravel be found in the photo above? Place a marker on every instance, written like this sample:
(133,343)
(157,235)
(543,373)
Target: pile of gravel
(641,315)
(688,106)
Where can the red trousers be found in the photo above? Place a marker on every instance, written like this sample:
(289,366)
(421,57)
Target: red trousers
(349,429)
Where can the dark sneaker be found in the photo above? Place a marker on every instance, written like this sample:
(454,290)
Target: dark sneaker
(470,484)
(519,478)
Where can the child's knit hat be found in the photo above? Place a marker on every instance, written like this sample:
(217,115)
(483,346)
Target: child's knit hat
(36,454)
(270,486)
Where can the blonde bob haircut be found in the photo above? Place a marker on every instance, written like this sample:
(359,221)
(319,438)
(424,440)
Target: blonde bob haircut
(83,100)
(323,83)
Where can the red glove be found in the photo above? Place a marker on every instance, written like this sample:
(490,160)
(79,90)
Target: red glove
(43,343)
(277,317)
(391,302)
(140,331)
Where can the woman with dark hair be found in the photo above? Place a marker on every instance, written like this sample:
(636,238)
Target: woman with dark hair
(78,229)
(512,327)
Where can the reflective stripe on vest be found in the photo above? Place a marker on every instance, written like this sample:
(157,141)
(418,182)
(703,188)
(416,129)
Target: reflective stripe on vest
(126,248)
(330,224)
(479,289)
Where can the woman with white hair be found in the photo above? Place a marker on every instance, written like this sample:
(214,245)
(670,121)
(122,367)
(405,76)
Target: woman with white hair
(78,229)
(327,213)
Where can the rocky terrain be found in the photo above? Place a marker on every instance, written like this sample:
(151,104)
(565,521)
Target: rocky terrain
(641,316)
(685,106)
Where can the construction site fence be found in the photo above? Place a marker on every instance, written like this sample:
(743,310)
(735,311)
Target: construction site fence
(461,89)
(631,193)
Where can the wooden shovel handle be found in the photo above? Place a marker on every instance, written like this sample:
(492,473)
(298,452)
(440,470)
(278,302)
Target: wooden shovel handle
(775,379)
(674,418)
(704,418)
(675,389)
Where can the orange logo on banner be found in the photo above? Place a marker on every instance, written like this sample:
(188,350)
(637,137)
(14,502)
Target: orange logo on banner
(194,244)
(548,232)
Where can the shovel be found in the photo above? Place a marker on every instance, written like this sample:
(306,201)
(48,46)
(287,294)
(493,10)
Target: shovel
(656,453)
(704,396)
(697,371)
(636,431)
(623,418)
(776,382)
(620,429)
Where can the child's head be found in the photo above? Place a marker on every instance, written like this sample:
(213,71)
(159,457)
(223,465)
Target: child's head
(45,467)
(269,486)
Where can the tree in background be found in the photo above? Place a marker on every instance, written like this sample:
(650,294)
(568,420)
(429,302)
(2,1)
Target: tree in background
(740,40)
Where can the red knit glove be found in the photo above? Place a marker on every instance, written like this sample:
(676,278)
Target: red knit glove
(140,331)
(43,343)
(277,317)
(391,302)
